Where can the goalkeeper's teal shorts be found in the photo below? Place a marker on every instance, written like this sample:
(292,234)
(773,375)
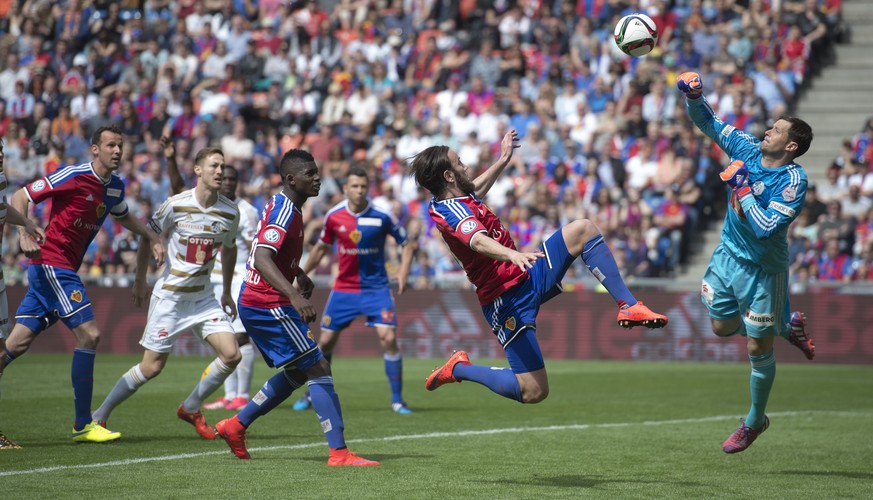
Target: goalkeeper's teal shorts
(732,287)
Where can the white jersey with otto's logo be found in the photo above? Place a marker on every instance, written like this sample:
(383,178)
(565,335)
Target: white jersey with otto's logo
(195,235)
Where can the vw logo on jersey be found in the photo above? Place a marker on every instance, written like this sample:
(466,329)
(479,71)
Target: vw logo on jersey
(271,235)
(468,226)
(38,186)
(758,188)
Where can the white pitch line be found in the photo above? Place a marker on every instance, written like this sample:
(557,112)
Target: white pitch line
(429,435)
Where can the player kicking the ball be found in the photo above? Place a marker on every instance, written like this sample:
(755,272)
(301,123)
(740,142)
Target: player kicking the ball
(745,286)
(198,224)
(511,285)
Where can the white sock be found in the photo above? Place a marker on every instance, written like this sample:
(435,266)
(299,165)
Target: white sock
(245,370)
(230,385)
(124,388)
(211,379)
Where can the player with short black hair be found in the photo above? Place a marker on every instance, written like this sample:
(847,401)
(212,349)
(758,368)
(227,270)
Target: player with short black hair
(82,196)
(276,315)
(745,286)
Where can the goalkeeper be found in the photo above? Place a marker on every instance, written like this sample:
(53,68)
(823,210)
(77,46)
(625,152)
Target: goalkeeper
(745,286)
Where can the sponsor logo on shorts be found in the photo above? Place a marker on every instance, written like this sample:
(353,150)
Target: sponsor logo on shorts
(76,296)
(271,235)
(468,226)
(163,333)
(760,319)
(707,292)
(38,186)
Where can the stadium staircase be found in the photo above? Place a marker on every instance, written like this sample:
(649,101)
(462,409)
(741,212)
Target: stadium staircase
(837,104)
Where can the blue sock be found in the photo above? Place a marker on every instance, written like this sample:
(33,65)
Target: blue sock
(760,383)
(394,371)
(272,394)
(82,375)
(500,380)
(328,356)
(601,263)
(326,404)
(9,357)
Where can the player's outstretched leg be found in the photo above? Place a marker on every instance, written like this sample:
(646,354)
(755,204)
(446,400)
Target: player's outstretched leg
(598,258)
(797,335)
(744,436)
(7,444)
(458,368)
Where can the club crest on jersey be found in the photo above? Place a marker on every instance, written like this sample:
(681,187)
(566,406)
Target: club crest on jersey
(387,315)
(789,193)
(355,236)
(758,188)
(216,227)
(76,296)
(37,186)
(309,335)
(325,320)
(509,324)
(101,209)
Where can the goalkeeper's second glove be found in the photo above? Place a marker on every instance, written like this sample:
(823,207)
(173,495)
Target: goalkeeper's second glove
(690,84)
(736,175)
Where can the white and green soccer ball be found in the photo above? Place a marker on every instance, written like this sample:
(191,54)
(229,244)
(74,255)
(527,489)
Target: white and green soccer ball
(636,34)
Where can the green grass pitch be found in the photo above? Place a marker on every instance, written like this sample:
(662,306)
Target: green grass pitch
(608,430)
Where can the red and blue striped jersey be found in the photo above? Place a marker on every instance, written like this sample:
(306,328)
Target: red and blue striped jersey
(360,245)
(81,200)
(458,220)
(280,230)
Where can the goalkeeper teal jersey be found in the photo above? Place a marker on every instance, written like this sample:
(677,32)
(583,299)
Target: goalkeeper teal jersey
(756,231)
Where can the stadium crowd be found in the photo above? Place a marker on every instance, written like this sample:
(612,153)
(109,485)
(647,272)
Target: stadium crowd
(372,82)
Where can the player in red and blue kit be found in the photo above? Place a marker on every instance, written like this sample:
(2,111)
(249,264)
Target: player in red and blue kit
(358,230)
(511,285)
(276,316)
(82,196)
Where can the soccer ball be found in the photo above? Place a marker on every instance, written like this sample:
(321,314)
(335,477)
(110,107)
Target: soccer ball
(636,34)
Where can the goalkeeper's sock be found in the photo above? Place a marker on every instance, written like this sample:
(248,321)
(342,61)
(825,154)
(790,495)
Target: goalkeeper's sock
(500,380)
(597,256)
(760,383)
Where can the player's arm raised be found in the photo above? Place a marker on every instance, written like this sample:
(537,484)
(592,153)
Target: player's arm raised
(269,272)
(484,244)
(487,178)
(177,184)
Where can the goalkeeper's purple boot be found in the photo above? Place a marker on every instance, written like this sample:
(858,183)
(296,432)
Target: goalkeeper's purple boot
(743,437)
(798,336)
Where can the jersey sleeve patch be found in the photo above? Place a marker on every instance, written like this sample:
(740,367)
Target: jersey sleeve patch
(271,235)
(782,209)
(726,131)
(468,226)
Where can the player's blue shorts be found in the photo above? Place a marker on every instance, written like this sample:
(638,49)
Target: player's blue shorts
(513,315)
(54,293)
(281,336)
(343,307)
(732,287)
